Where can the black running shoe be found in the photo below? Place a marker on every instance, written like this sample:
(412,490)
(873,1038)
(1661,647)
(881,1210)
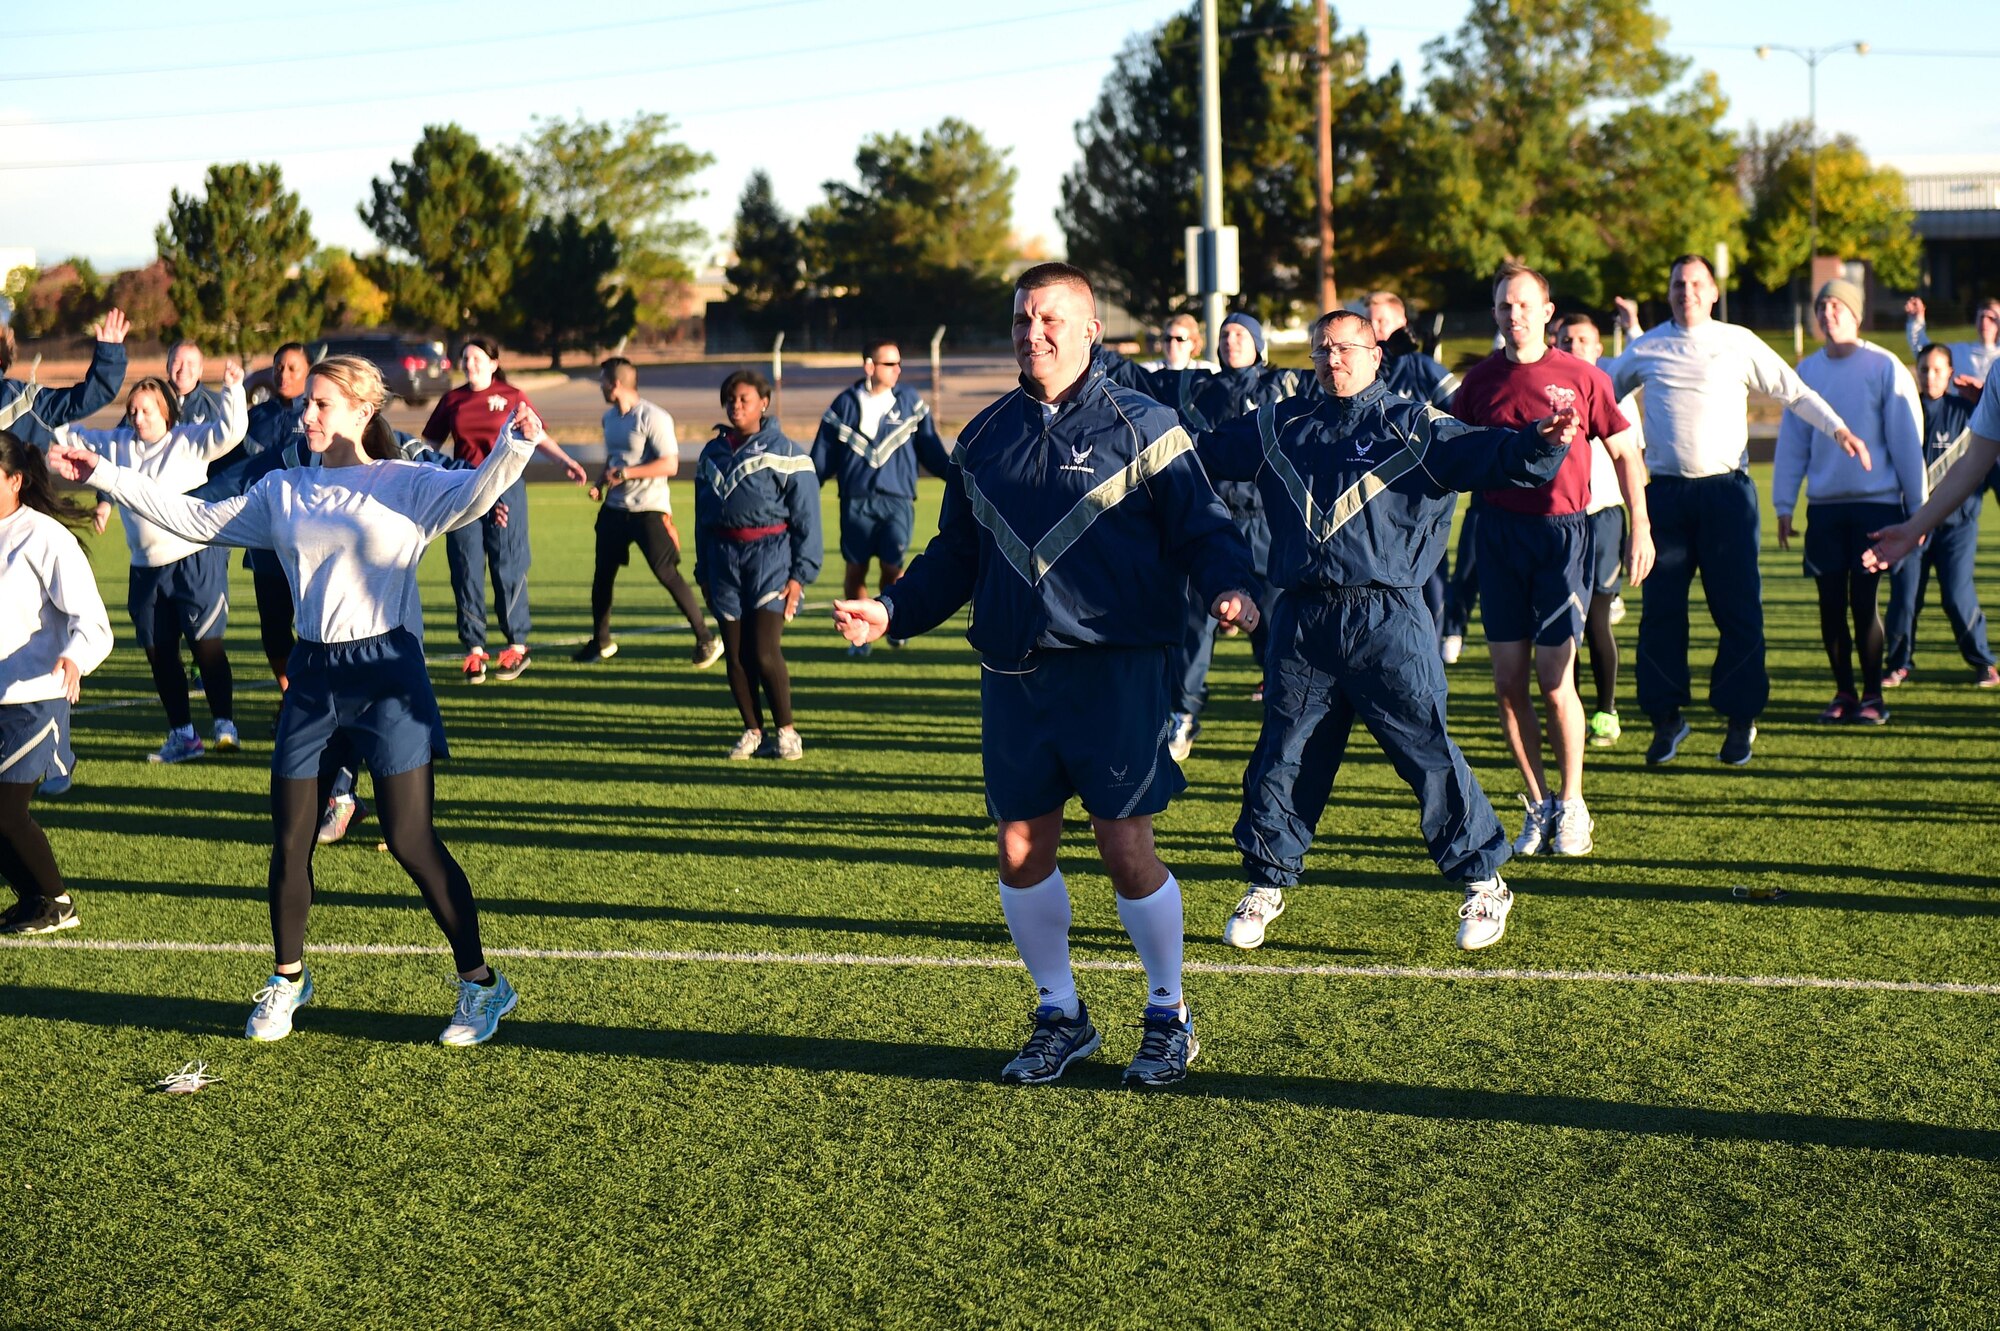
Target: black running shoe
(1668,734)
(1736,744)
(38,915)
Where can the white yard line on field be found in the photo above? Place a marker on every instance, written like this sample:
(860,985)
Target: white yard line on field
(707,958)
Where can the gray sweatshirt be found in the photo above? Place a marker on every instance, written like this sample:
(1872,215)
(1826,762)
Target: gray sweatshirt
(1875,395)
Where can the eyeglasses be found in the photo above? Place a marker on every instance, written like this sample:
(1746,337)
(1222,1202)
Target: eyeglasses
(1340,349)
(1180,337)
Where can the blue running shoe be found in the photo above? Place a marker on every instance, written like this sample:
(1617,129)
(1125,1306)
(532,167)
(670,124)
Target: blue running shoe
(181,745)
(1057,1042)
(480,1007)
(1165,1050)
(271,1019)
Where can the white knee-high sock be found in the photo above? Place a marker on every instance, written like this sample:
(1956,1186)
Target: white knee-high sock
(1156,927)
(1038,918)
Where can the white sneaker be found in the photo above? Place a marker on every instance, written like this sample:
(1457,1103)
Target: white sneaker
(271,1019)
(1180,740)
(1534,827)
(1483,917)
(790,746)
(1570,825)
(226,738)
(747,746)
(1454,647)
(1617,613)
(1260,905)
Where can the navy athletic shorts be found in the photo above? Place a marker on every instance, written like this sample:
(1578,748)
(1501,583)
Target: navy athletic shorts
(1837,533)
(1088,721)
(1534,575)
(373,691)
(747,575)
(34,742)
(191,593)
(1608,551)
(876,528)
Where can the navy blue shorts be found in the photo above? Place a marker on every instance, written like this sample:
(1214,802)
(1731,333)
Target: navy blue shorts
(190,594)
(1837,533)
(1608,551)
(1090,721)
(374,692)
(1534,575)
(876,528)
(747,575)
(34,742)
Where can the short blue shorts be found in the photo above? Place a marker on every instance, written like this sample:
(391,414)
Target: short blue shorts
(876,528)
(742,576)
(191,595)
(1608,551)
(1534,576)
(374,691)
(1090,721)
(34,742)
(1837,533)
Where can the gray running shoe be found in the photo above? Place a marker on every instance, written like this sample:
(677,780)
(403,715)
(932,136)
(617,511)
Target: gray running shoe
(480,1007)
(1165,1050)
(1056,1042)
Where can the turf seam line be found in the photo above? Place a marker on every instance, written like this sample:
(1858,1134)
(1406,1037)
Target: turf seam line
(703,957)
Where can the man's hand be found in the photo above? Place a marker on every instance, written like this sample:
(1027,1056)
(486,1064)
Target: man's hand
(1236,610)
(74,464)
(499,513)
(1968,386)
(1628,312)
(1892,546)
(100,517)
(232,372)
(1641,555)
(1560,428)
(574,470)
(1785,531)
(113,326)
(1855,447)
(523,423)
(71,677)
(861,622)
(795,592)
(1914,308)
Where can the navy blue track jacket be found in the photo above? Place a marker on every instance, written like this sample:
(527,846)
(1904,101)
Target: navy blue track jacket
(1077,529)
(1360,490)
(1946,420)
(31,412)
(887,464)
(1410,374)
(767,482)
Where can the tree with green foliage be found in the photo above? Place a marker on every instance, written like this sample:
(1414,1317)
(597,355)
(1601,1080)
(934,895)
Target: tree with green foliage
(925,236)
(234,253)
(635,178)
(453,222)
(567,288)
(348,298)
(1558,133)
(1138,186)
(1864,210)
(770,256)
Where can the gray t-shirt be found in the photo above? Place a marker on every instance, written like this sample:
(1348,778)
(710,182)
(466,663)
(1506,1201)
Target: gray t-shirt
(632,438)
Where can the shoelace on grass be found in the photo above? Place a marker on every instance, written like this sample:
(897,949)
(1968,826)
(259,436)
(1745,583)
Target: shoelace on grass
(192,1077)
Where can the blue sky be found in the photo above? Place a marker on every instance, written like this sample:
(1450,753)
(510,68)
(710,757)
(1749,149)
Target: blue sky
(144,96)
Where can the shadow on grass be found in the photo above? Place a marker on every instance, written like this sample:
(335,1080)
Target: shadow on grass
(953,1063)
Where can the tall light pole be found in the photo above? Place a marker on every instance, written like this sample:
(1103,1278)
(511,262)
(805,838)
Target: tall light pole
(1812,55)
(1213,299)
(1329,293)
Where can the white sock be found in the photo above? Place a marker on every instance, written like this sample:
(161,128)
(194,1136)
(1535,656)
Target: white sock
(1156,928)
(1038,918)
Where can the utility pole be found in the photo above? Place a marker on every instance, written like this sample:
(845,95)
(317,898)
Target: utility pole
(1812,56)
(1212,298)
(1329,293)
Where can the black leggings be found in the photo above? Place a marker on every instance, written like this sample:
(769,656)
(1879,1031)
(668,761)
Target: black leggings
(1851,592)
(659,544)
(26,861)
(753,648)
(274,616)
(170,677)
(403,803)
(1603,646)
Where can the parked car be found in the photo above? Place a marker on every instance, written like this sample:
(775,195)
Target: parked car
(415,369)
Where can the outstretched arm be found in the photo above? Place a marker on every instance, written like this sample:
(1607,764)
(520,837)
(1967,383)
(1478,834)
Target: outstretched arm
(99,386)
(236,520)
(1893,544)
(453,499)
(1463,457)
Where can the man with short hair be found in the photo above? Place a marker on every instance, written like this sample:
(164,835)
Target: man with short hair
(641,453)
(870,441)
(1074,515)
(1971,362)
(195,403)
(1697,373)
(1534,551)
(1358,483)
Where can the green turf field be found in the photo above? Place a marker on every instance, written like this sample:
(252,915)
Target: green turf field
(773,1136)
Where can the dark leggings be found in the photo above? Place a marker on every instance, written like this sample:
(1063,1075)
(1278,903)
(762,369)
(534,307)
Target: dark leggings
(755,653)
(274,616)
(403,803)
(658,543)
(1843,594)
(1603,652)
(26,861)
(170,677)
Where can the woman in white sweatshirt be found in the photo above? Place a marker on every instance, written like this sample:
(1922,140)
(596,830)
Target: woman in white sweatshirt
(349,534)
(53,631)
(176,588)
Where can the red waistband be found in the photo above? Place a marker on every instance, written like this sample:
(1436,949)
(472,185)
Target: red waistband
(746,534)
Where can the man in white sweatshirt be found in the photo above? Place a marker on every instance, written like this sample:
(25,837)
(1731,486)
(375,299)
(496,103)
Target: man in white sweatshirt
(1697,374)
(1850,497)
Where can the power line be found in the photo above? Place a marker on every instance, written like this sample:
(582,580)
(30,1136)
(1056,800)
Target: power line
(178,24)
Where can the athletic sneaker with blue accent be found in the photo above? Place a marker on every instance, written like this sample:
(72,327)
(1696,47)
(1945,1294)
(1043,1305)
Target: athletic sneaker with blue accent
(280,997)
(181,745)
(1056,1042)
(480,1007)
(1180,740)
(1165,1050)
(1669,733)
(226,738)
